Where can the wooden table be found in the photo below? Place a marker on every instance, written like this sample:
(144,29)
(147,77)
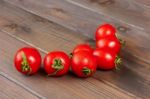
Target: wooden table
(60,25)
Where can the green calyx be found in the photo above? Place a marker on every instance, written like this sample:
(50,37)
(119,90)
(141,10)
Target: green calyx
(25,65)
(122,42)
(118,62)
(86,71)
(57,65)
(70,55)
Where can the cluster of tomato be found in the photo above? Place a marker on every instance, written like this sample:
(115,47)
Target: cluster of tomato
(84,59)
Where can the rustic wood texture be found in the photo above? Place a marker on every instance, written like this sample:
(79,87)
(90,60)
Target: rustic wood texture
(9,90)
(85,21)
(60,25)
(127,11)
(146,3)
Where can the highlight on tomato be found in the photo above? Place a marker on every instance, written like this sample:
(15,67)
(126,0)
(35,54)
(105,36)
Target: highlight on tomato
(104,31)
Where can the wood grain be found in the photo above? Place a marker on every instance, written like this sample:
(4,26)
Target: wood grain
(41,31)
(126,11)
(9,90)
(45,35)
(65,87)
(145,3)
(69,10)
(19,26)
(85,21)
(116,10)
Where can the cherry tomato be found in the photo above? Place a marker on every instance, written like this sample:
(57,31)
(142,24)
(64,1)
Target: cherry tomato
(105,30)
(111,43)
(83,64)
(27,60)
(56,63)
(107,59)
(83,47)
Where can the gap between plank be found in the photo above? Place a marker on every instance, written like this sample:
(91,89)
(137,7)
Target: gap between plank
(34,13)
(70,28)
(21,85)
(82,6)
(137,27)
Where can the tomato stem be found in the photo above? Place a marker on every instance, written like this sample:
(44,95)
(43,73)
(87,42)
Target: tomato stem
(86,71)
(70,55)
(25,65)
(118,62)
(57,65)
(122,42)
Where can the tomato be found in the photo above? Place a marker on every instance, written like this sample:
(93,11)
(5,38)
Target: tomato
(83,64)
(83,47)
(105,30)
(56,63)
(107,59)
(27,60)
(111,43)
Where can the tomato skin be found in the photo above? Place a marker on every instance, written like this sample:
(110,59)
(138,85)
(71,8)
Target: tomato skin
(49,61)
(111,43)
(81,61)
(33,58)
(83,47)
(105,30)
(105,59)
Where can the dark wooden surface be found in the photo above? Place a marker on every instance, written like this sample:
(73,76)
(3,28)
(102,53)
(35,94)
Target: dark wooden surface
(60,25)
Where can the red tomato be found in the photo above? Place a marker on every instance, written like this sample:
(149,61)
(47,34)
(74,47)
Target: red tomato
(83,64)
(111,43)
(106,59)
(83,47)
(56,63)
(27,60)
(105,30)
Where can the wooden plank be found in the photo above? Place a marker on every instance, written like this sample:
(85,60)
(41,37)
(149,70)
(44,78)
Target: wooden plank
(9,90)
(146,3)
(84,21)
(127,11)
(111,11)
(23,24)
(45,30)
(78,18)
(62,87)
